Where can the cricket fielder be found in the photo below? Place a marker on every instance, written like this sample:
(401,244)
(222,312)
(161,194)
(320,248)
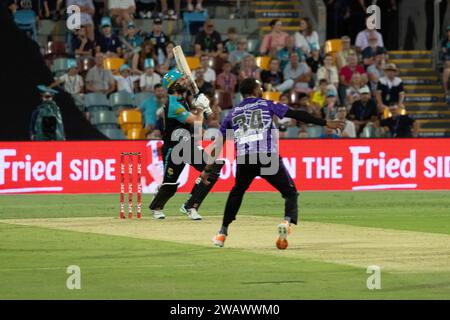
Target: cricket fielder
(255,137)
(179,119)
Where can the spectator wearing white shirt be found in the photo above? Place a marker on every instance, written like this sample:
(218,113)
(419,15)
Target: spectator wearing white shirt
(306,36)
(362,39)
(150,77)
(349,129)
(209,74)
(125,82)
(73,82)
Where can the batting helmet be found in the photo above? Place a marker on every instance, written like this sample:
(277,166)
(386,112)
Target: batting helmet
(170,78)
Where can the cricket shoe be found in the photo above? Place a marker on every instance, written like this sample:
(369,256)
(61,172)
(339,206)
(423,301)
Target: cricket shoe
(284,229)
(219,240)
(191,213)
(158,215)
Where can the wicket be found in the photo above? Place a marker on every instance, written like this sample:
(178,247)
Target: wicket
(123,156)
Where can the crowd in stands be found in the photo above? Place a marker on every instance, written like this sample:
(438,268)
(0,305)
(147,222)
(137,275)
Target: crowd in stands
(356,83)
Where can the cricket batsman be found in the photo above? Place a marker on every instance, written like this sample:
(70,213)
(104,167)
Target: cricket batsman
(181,111)
(255,138)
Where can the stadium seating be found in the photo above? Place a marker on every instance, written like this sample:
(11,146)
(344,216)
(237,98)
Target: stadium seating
(292,132)
(333,46)
(96,101)
(26,21)
(56,49)
(113,64)
(253,46)
(103,119)
(121,99)
(79,101)
(113,133)
(86,63)
(272,95)
(193,62)
(263,62)
(314,131)
(141,97)
(60,66)
(136,133)
(129,119)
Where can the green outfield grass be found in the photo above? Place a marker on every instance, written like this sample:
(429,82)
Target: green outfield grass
(173,259)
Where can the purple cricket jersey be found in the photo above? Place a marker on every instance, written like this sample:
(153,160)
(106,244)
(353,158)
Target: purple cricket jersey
(252,125)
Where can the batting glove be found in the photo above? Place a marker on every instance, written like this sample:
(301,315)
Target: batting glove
(202,102)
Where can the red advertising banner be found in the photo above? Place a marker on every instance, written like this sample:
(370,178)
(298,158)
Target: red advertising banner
(363,164)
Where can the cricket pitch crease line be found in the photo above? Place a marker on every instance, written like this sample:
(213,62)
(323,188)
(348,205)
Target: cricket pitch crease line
(392,250)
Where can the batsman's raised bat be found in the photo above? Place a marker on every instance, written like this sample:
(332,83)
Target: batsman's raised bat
(183,66)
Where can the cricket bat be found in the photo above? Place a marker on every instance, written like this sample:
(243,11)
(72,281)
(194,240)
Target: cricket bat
(183,66)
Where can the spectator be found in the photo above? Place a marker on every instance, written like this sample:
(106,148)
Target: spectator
(81,44)
(198,6)
(132,41)
(329,134)
(306,36)
(363,110)
(227,81)
(390,89)
(342,56)
(319,96)
(208,41)
(147,52)
(126,80)
(274,40)
(362,39)
(273,79)
(87,10)
(400,126)
(108,43)
(315,61)
(328,71)
(169,60)
(99,79)
(150,78)
(352,93)
(304,104)
(202,84)
(48,8)
(145,8)
(284,54)
(368,54)
(122,11)
(236,56)
(349,129)
(285,122)
(73,82)
(150,107)
(170,14)
(376,70)
(208,73)
(231,43)
(158,39)
(299,72)
(249,68)
(329,110)
(346,74)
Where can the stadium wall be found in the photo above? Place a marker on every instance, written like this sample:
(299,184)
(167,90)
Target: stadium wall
(93,166)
